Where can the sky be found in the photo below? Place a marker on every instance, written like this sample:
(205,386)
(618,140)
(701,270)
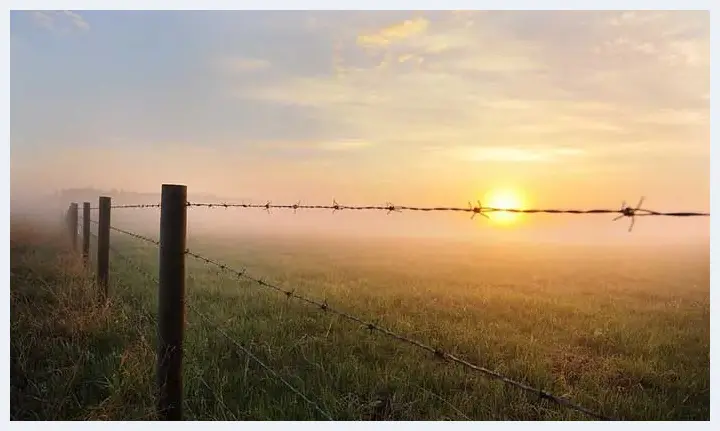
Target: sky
(566,108)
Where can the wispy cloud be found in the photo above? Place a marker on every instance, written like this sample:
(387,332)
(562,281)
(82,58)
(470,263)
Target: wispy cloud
(60,21)
(396,32)
(506,78)
(509,154)
(77,20)
(44,20)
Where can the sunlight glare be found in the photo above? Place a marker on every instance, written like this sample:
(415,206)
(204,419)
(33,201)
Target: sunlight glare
(505,199)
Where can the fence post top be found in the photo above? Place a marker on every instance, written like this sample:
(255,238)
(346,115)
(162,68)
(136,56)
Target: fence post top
(173,191)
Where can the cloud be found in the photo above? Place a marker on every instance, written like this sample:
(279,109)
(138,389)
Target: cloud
(60,21)
(44,20)
(243,65)
(529,81)
(388,35)
(511,154)
(77,20)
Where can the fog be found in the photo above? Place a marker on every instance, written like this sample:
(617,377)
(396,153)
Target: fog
(238,223)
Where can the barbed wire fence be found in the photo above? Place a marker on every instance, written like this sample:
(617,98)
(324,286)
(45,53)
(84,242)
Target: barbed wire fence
(153,280)
(171,284)
(625,211)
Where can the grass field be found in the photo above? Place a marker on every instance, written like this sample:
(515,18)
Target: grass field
(625,334)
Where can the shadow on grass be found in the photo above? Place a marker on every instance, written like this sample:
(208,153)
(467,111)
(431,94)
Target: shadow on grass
(72,356)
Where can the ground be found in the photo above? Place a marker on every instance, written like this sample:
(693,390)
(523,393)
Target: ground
(628,338)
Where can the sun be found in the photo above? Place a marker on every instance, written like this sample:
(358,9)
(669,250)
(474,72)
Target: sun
(503,199)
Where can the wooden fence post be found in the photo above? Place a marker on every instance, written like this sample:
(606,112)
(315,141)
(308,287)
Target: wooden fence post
(103,247)
(86,234)
(74,225)
(171,301)
(67,222)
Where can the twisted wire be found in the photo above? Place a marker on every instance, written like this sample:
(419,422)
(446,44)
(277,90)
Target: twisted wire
(135,235)
(261,363)
(437,352)
(625,211)
(129,206)
(132,234)
(142,271)
(235,342)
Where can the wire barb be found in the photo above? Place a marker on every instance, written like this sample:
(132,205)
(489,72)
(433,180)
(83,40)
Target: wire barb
(129,206)
(477,210)
(153,279)
(374,327)
(624,211)
(630,212)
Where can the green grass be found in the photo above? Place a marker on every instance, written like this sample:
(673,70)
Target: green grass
(627,338)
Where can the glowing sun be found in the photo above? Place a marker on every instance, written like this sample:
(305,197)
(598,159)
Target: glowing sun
(503,199)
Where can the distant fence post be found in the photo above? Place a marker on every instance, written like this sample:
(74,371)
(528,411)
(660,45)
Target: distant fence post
(86,234)
(103,247)
(171,301)
(67,222)
(74,225)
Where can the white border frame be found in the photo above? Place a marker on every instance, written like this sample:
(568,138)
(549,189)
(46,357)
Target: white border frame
(355,5)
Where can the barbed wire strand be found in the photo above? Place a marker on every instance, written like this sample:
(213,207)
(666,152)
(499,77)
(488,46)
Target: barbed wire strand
(217,398)
(443,400)
(399,208)
(237,344)
(128,206)
(261,363)
(373,326)
(624,210)
(151,278)
(437,352)
(132,234)
(131,262)
(142,271)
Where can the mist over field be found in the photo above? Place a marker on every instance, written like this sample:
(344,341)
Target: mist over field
(532,229)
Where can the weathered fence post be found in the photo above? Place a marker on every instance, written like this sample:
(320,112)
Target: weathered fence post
(103,247)
(74,225)
(86,234)
(171,301)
